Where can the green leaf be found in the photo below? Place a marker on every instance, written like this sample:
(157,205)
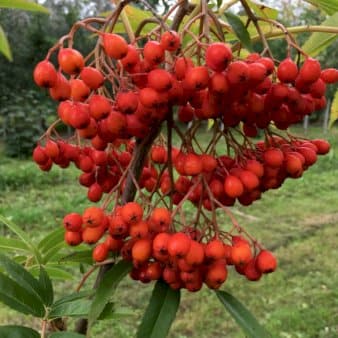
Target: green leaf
(15,331)
(50,254)
(239,29)
(52,239)
(18,298)
(262,10)
(160,312)
(106,288)
(328,6)
(334,110)
(135,16)
(73,297)
(242,315)
(107,312)
(23,236)
(12,244)
(75,308)
(23,4)
(83,256)
(21,276)
(319,40)
(66,334)
(53,272)
(5,49)
(47,292)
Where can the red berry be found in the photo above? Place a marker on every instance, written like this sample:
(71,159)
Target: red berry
(100,252)
(287,71)
(170,41)
(70,60)
(73,222)
(179,245)
(266,262)
(115,46)
(217,56)
(92,77)
(45,74)
(93,217)
(132,213)
(233,186)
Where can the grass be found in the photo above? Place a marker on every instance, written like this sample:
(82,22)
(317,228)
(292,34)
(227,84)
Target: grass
(298,221)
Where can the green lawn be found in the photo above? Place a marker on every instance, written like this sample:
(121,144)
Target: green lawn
(298,221)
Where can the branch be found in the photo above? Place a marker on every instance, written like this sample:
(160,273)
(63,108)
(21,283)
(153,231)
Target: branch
(139,155)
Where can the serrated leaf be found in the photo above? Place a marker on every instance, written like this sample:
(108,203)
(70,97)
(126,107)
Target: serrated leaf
(106,288)
(16,297)
(334,110)
(319,40)
(53,272)
(239,29)
(47,292)
(23,4)
(83,256)
(160,313)
(5,49)
(52,239)
(242,315)
(50,254)
(15,331)
(21,276)
(23,236)
(75,308)
(262,10)
(328,6)
(12,244)
(66,334)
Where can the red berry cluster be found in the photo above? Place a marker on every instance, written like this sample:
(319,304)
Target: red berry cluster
(182,259)
(121,93)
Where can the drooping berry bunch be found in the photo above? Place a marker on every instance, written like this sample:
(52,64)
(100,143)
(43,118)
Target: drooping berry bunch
(116,100)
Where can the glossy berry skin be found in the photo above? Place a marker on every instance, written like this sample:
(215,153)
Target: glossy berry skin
(266,262)
(132,213)
(214,250)
(241,253)
(73,238)
(40,156)
(310,71)
(153,52)
(70,60)
(195,255)
(287,71)
(92,77)
(218,56)
(73,222)
(160,220)
(45,74)
(273,157)
(141,250)
(61,91)
(323,147)
(216,275)
(93,217)
(115,46)
(233,186)
(197,78)
(100,253)
(329,75)
(160,80)
(170,41)
(179,245)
